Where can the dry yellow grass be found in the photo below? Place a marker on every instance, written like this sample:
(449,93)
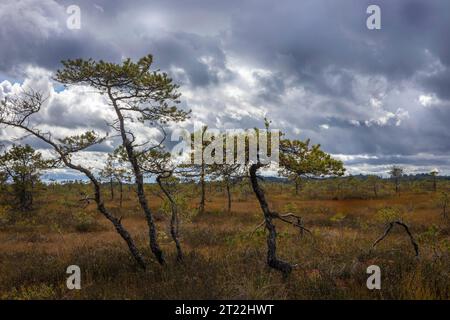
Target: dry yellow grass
(224,260)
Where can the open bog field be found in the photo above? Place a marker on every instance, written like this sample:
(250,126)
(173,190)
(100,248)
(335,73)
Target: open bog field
(224,252)
(222,151)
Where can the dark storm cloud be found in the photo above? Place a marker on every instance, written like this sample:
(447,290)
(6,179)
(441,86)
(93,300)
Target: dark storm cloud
(185,51)
(34,32)
(271,87)
(439,83)
(107,32)
(309,37)
(315,67)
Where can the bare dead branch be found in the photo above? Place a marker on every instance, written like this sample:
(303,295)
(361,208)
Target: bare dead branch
(297,223)
(86,199)
(257,227)
(407,230)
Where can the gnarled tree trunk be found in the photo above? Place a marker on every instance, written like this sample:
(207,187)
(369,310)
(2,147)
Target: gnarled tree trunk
(228,196)
(101,207)
(139,179)
(201,207)
(121,193)
(111,188)
(174,222)
(272,259)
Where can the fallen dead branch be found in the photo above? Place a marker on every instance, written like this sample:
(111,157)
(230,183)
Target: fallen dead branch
(408,232)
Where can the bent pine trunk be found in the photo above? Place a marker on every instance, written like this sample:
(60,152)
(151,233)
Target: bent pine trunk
(174,222)
(272,259)
(153,241)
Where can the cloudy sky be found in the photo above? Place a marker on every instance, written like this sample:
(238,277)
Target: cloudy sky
(370,97)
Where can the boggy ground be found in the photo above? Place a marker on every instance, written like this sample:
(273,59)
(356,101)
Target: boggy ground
(224,258)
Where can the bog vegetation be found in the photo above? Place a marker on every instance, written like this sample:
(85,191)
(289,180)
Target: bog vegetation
(201,230)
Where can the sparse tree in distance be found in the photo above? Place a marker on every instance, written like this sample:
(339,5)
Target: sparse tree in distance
(107,173)
(373,181)
(115,171)
(23,166)
(300,160)
(202,171)
(396,173)
(200,140)
(434,174)
(229,173)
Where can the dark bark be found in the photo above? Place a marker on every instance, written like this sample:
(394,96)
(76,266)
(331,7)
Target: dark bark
(228,195)
(23,194)
(272,259)
(174,221)
(111,188)
(139,179)
(24,197)
(115,221)
(408,232)
(121,193)
(120,229)
(201,207)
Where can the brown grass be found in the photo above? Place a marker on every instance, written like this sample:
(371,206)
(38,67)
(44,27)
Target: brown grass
(223,260)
